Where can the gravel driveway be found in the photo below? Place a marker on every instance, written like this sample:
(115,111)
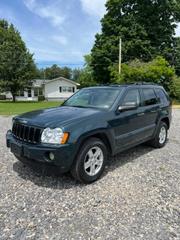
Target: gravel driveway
(138,197)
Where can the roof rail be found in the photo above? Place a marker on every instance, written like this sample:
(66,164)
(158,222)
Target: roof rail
(145,83)
(109,85)
(126,84)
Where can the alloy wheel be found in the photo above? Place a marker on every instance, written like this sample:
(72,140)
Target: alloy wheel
(93,161)
(162,135)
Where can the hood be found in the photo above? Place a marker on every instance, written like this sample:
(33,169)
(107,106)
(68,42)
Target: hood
(56,117)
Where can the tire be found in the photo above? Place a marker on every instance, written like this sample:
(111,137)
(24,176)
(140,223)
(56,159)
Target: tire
(90,161)
(160,140)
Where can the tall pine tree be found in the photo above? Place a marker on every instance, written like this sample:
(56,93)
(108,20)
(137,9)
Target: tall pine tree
(147,29)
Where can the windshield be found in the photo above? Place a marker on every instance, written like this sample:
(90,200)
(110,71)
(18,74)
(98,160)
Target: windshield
(93,97)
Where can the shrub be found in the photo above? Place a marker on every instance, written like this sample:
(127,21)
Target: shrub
(2,97)
(176,87)
(41,98)
(157,71)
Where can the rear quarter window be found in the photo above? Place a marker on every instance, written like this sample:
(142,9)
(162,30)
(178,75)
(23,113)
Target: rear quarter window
(162,97)
(149,97)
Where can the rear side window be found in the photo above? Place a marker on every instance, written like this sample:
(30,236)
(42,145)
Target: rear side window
(149,97)
(132,96)
(162,98)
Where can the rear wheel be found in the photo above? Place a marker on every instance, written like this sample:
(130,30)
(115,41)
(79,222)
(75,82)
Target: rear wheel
(90,162)
(161,136)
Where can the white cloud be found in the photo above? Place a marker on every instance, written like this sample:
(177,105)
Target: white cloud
(58,42)
(94,7)
(60,39)
(50,11)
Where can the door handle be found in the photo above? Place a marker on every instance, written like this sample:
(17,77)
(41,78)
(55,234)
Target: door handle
(141,114)
(153,111)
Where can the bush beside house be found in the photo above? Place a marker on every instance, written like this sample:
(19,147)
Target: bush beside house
(2,97)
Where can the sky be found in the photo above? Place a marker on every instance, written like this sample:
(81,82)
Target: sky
(56,31)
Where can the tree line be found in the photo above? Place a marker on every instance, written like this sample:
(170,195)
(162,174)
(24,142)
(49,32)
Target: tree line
(83,75)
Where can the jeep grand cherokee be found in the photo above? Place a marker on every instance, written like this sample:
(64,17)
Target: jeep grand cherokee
(91,125)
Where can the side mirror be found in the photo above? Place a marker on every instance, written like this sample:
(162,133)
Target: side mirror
(128,106)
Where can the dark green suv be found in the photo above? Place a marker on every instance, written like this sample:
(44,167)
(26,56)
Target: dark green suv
(91,125)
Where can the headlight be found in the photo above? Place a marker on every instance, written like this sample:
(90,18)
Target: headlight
(54,136)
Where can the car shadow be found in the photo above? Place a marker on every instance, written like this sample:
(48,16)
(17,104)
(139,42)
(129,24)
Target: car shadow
(65,181)
(127,156)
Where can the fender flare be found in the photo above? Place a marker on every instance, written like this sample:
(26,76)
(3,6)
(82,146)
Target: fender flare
(96,133)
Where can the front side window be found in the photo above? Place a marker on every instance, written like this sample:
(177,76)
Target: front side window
(95,97)
(149,97)
(132,96)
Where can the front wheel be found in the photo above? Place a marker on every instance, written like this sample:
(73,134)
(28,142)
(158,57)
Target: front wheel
(90,162)
(161,136)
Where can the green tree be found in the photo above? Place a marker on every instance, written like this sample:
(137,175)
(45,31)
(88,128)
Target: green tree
(52,72)
(76,74)
(177,56)
(85,78)
(157,71)
(55,71)
(66,72)
(39,73)
(147,29)
(17,67)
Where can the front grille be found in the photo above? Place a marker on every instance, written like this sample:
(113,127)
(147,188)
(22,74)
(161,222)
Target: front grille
(26,133)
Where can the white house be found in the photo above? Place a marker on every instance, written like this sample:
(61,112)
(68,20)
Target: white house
(59,88)
(52,90)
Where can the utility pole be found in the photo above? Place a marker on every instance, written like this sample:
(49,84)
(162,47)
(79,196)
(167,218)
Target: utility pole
(44,73)
(120,54)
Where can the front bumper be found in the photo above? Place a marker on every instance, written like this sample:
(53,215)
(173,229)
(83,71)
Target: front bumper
(38,155)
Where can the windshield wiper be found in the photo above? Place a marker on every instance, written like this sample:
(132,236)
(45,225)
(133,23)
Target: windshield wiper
(75,106)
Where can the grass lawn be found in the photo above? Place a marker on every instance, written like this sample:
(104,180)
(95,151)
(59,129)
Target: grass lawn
(10,108)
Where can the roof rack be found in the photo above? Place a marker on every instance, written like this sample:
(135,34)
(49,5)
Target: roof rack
(126,84)
(144,83)
(109,85)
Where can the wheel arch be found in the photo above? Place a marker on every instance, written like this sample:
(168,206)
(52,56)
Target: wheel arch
(166,120)
(103,136)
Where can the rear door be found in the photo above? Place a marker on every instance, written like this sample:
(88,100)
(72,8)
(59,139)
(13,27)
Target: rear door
(151,108)
(165,103)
